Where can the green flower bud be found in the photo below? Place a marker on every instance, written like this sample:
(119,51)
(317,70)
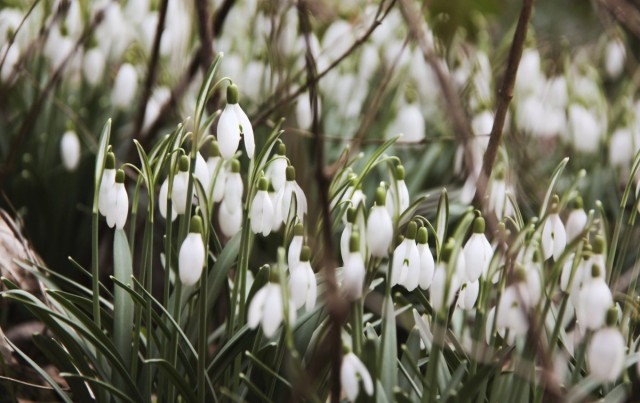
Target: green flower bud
(232,94)
(119,176)
(196,224)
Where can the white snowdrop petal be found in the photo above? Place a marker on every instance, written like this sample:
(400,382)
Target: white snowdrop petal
(122,206)
(348,378)
(297,286)
(575,224)
(106,184)
(191,259)
(399,255)
(256,308)
(353,276)
(179,192)
(379,231)
(362,371)
(125,86)
(260,213)
(427,266)
(202,172)
(70,150)
(233,190)
(606,353)
(295,247)
(273,313)
(276,172)
(247,130)
(228,131)
(312,286)
(230,222)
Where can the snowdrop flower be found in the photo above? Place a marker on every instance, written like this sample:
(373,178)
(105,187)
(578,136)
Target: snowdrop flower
(405,269)
(217,173)
(379,227)
(118,203)
(410,123)
(267,307)
(107,183)
(498,200)
(124,86)
(354,271)
(277,170)
(355,223)
(477,252)
(594,301)
(445,284)
(576,221)
(615,56)
(398,196)
(621,147)
(192,254)
(554,237)
(427,265)
(597,257)
(302,282)
(93,66)
(606,351)
(70,150)
(202,172)
(352,371)
(180,184)
(512,309)
(230,219)
(585,128)
(261,211)
(232,124)
(468,294)
(295,247)
(276,220)
(285,198)
(162,201)
(233,188)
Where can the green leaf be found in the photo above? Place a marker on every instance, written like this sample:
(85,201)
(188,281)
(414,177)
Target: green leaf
(388,353)
(123,305)
(205,90)
(100,157)
(111,388)
(40,372)
(552,185)
(148,176)
(442,220)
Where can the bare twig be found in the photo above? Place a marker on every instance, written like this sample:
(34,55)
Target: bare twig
(151,70)
(15,33)
(31,118)
(340,139)
(206,36)
(272,104)
(336,304)
(625,13)
(505,93)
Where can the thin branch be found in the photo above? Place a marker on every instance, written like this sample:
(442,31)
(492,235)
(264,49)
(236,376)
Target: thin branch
(206,35)
(265,110)
(151,70)
(340,139)
(15,33)
(625,13)
(336,304)
(505,93)
(31,118)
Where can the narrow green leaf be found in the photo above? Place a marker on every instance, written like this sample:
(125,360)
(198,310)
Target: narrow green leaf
(388,354)
(123,305)
(552,185)
(442,220)
(100,157)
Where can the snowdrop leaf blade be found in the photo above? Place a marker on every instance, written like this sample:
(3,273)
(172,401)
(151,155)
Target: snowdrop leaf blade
(123,305)
(148,173)
(552,184)
(205,90)
(442,218)
(100,159)
(388,373)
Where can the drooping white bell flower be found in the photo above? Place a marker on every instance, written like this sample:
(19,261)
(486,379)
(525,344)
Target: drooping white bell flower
(554,236)
(576,221)
(286,195)
(107,184)
(118,204)
(192,254)
(295,247)
(217,173)
(277,168)
(379,227)
(405,269)
(614,59)
(410,123)
(512,312)
(180,186)
(597,257)
(233,188)
(351,226)
(124,87)
(445,284)
(230,221)
(606,351)
(70,150)
(498,200)
(398,195)
(477,252)
(93,66)
(585,129)
(232,124)
(354,271)
(621,147)
(162,201)
(303,287)
(352,371)
(261,212)
(202,172)
(427,264)
(267,308)
(468,294)
(276,222)
(594,301)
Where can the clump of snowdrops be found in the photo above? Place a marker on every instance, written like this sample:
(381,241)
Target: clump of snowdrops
(471,306)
